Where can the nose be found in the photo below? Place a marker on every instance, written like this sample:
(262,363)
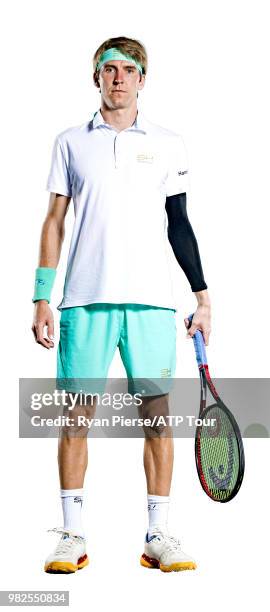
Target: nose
(118,77)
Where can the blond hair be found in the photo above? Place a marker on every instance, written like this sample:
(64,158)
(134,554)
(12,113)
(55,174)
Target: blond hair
(130,46)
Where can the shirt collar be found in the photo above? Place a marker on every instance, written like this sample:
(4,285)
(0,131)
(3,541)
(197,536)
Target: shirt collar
(140,123)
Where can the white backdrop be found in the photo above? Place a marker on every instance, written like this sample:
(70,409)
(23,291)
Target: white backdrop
(207,80)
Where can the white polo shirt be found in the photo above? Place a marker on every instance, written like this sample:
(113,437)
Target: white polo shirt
(118,182)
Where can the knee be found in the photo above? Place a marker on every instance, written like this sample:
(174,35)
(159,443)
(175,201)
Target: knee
(76,421)
(156,409)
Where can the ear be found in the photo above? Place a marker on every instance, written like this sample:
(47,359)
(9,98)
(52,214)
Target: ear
(96,79)
(142,82)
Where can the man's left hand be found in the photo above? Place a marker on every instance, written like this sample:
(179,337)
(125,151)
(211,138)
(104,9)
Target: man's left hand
(201,320)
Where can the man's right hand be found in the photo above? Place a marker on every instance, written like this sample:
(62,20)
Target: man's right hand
(43,317)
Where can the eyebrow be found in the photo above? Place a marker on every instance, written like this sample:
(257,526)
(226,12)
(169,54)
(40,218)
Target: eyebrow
(112,66)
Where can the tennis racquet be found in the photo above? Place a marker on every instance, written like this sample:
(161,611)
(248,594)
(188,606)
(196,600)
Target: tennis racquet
(219,451)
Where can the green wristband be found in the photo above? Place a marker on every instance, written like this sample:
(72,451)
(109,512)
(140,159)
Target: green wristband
(44,281)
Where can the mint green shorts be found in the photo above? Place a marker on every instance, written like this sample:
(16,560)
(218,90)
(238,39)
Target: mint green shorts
(89,336)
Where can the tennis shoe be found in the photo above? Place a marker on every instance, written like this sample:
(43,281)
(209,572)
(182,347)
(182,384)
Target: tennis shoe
(69,554)
(162,551)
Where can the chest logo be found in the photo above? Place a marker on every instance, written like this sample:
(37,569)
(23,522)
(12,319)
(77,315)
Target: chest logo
(147,158)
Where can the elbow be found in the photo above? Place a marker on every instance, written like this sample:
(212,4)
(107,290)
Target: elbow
(54,227)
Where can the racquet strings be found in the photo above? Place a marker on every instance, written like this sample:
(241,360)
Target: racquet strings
(217,453)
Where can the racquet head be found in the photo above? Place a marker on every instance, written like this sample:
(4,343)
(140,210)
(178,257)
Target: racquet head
(219,453)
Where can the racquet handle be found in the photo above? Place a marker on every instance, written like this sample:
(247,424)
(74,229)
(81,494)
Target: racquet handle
(199,344)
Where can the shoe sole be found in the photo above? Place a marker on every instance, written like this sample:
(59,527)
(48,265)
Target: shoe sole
(152,563)
(65,567)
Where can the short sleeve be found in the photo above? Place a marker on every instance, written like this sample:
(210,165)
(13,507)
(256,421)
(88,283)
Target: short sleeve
(177,180)
(58,180)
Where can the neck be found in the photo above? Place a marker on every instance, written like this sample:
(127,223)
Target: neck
(119,118)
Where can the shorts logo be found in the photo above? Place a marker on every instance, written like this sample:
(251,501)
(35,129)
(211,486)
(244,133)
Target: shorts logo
(180,172)
(145,158)
(165,372)
(40,281)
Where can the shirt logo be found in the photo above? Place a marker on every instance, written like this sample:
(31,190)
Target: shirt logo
(145,158)
(180,172)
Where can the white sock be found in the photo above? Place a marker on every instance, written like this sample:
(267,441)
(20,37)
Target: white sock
(158,507)
(72,500)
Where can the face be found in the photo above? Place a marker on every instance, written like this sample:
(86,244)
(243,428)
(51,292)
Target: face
(119,82)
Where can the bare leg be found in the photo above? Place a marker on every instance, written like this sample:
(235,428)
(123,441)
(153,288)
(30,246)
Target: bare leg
(158,465)
(72,462)
(73,451)
(158,447)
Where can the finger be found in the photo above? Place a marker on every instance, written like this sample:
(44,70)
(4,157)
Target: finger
(192,330)
(51,330)
(34,332)
(40,338)
(188,323)
(206,334)
(48,340)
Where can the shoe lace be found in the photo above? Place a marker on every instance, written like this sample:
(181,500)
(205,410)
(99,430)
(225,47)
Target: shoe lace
(170,542)
(66,543)
(173,543)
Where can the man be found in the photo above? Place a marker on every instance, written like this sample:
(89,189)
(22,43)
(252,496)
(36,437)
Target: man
(126,175)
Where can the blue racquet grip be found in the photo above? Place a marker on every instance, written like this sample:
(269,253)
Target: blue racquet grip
(199,345)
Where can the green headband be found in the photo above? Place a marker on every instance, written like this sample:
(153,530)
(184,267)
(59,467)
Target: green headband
(114,54)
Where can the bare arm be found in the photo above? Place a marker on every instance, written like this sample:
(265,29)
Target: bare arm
(202,317)
(53,231)
(51,240)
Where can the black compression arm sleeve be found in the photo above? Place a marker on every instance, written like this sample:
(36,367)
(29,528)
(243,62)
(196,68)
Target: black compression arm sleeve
(183,241)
